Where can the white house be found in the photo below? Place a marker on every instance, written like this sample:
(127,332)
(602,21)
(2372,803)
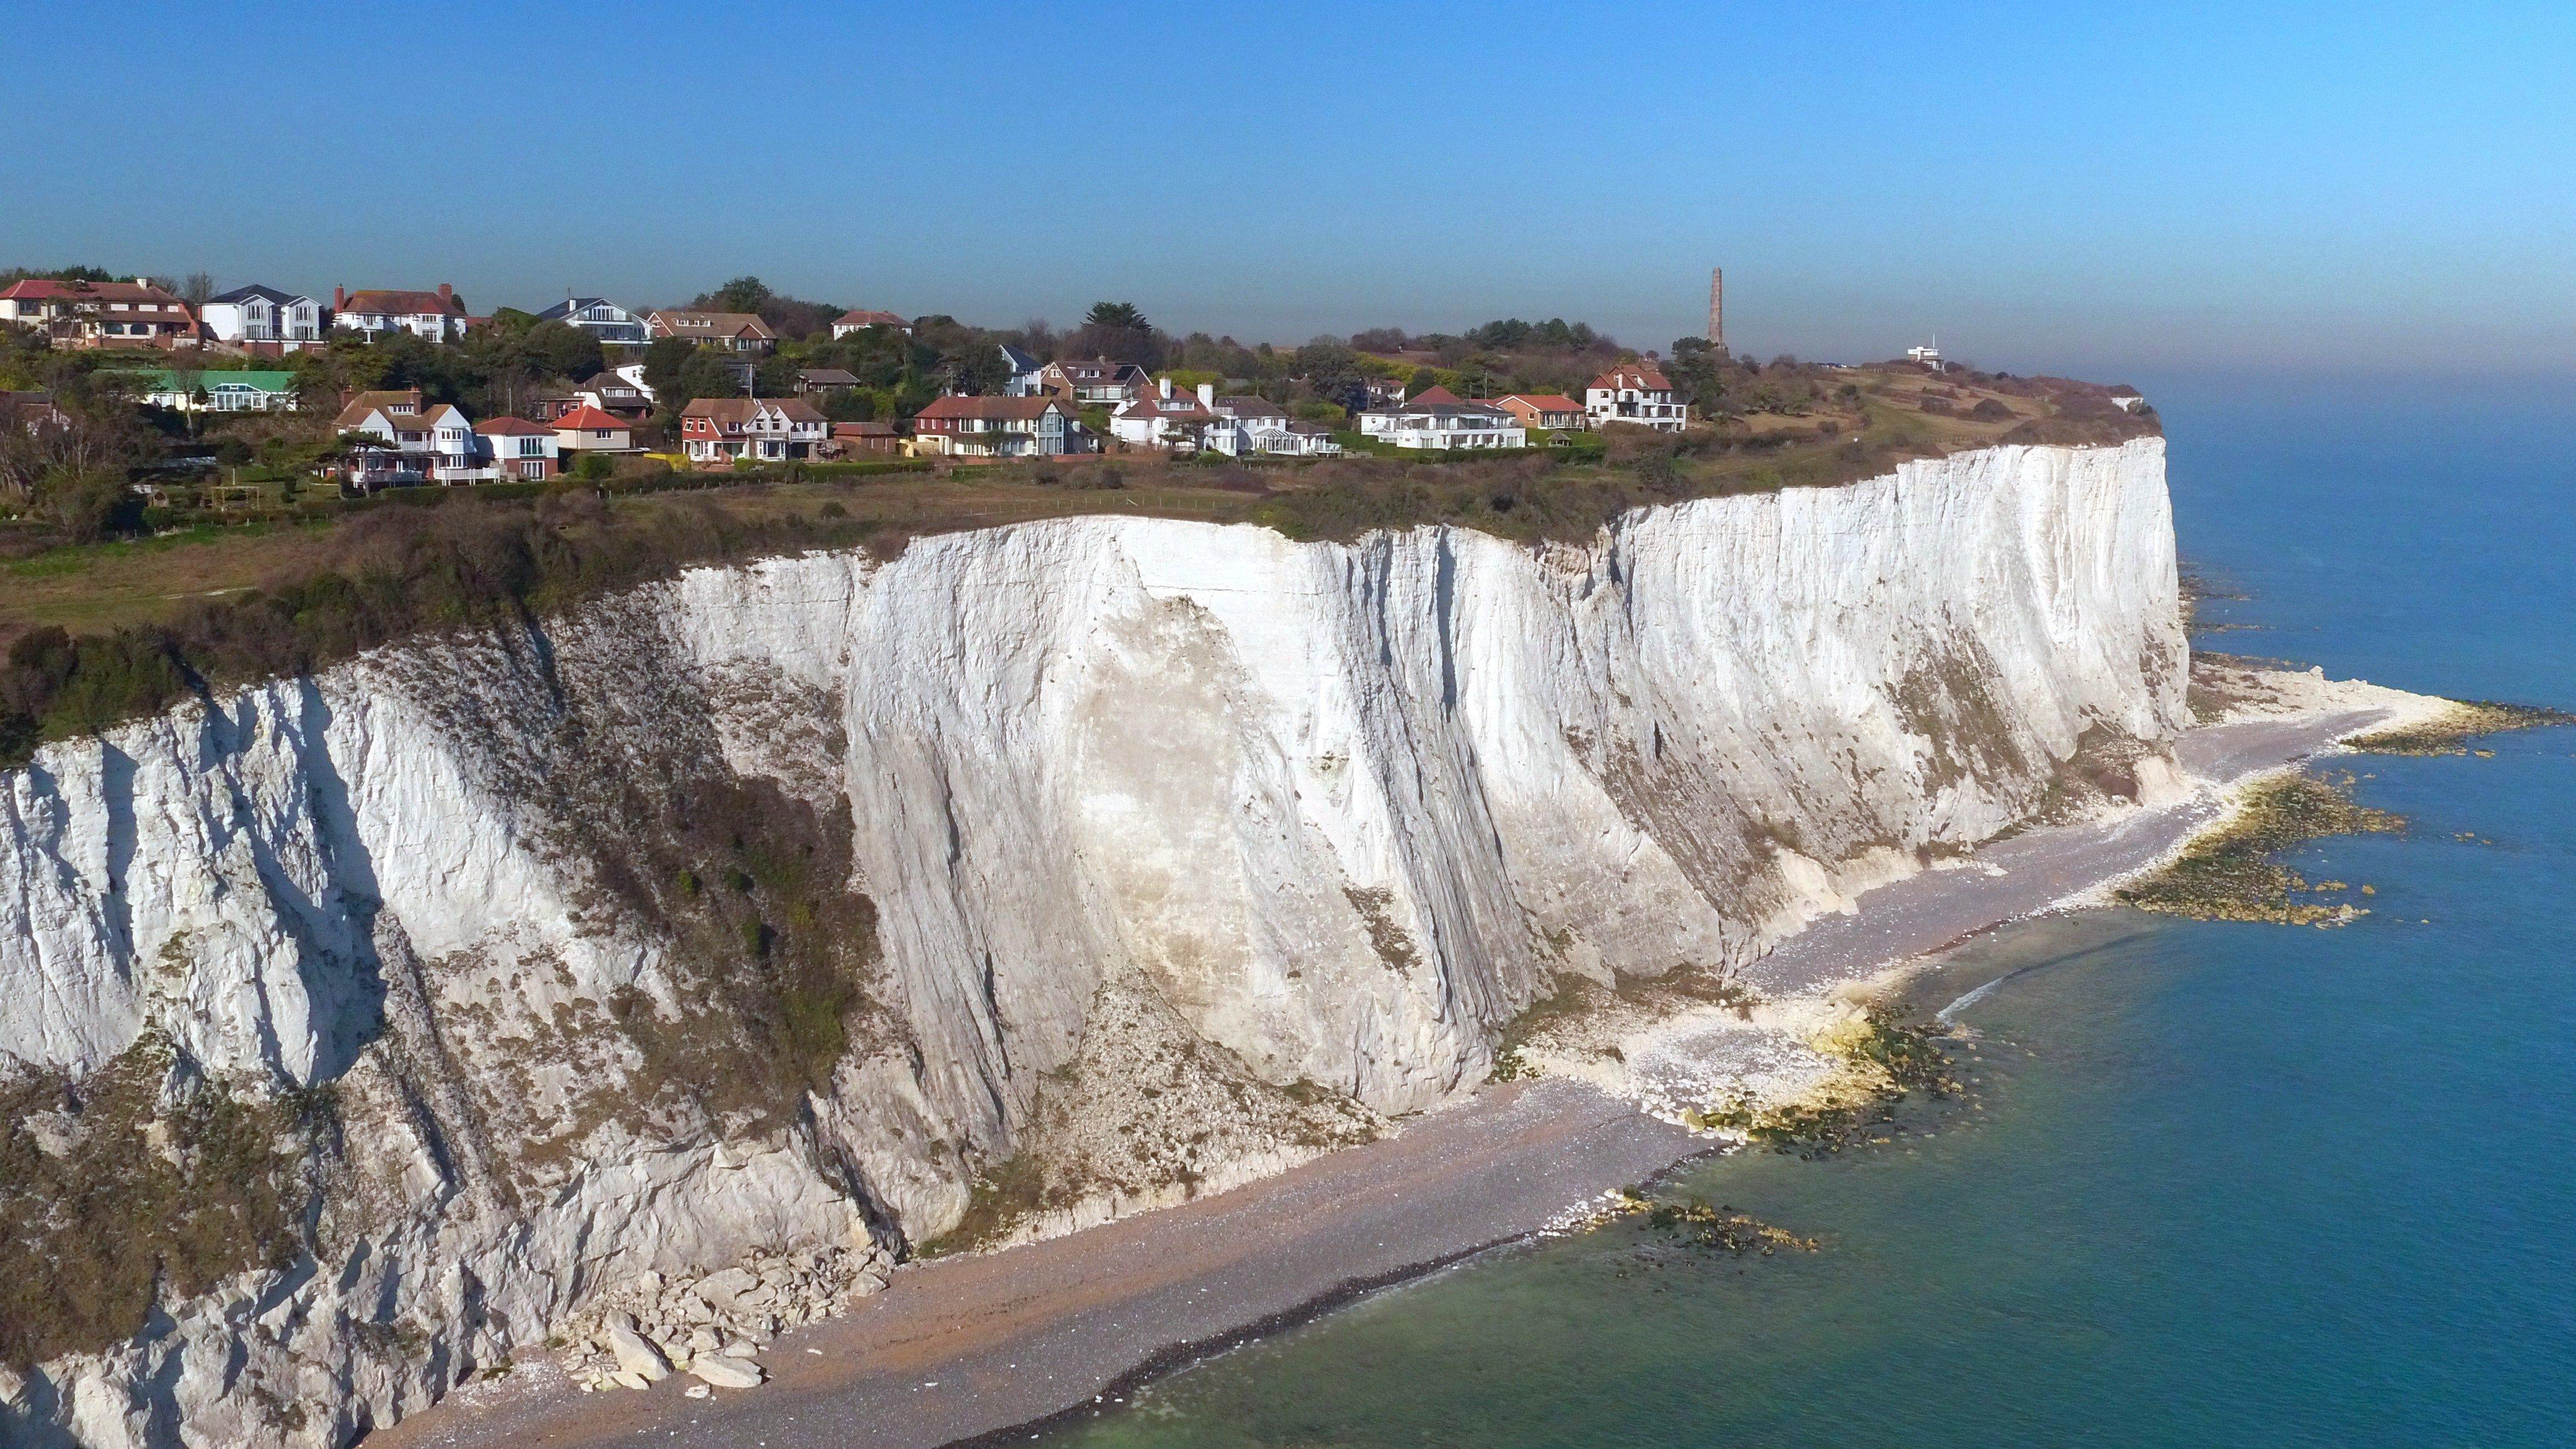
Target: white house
(1024,372)
(437,316)
(1437,419)
(766,429)
(1247,425)
(1638,393)
(437,436)
(519,450)
(601,318)
(860,319)
(1165,418)
(247,316)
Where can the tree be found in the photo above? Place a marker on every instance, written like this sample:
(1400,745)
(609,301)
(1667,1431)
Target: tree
(742,294)
(196,290)
(1121,315)
(563,350)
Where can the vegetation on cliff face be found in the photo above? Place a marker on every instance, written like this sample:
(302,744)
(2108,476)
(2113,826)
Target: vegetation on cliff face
(137,1184)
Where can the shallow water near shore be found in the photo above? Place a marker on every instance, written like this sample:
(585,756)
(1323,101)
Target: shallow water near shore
(2212,1183)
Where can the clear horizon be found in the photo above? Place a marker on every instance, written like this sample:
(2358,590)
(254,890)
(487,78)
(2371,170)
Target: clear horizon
(2310,189)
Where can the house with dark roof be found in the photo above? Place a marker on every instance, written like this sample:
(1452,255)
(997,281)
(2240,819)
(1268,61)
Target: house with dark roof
(1096,383)
(824,379)
(265,319)
(437,316)
(1436,418)
(860,319)
(860,440)
(139,313)
(732,331)
(613,325)
(1636,393)
(998,427)
(1024,371)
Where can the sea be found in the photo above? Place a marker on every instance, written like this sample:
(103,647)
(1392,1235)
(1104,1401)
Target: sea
(2206,1183)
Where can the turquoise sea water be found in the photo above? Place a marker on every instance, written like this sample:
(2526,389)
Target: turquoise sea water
(2214,1184)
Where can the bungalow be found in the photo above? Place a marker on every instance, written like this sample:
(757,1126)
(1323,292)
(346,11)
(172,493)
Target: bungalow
(768,429)
(732,331)
(601,318)
(265,319)
(588,430)
(435,316)
(219,392)
(859,440)
(1165,418)
(1635,392)
(860,319)
(609,392)
(824,379)
(519,449)
(997,427)
(1097,383)
(1258,425)
(139,313)
(1545,412)
(1436,418)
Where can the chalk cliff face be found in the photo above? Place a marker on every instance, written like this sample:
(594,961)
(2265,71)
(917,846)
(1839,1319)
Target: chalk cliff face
(766,908)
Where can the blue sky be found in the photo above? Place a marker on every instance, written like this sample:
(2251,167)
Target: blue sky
(2047,186)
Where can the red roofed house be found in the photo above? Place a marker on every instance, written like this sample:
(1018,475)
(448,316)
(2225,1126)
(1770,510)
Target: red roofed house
(586,429)
(765,429)
(100,314)
(1635,392)
(518,448)
(1545,412)
(437,316)
(859,319)
(997,427)
(732,331)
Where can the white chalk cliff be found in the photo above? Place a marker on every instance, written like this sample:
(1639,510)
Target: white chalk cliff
(1300,823)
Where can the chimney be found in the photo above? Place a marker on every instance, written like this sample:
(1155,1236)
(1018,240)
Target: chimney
(1167,389)
(1207,394)
(1717,309)
(445,291)
(339,297)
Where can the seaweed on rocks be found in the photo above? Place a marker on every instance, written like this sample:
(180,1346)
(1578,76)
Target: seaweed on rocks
(2450,733)
(2227,873)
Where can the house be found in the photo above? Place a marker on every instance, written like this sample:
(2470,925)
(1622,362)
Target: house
(998,427)
(265,319)
(824,379)
(1024,371)
(1167,418)
(33,411)
(219,392)
(732,331)
(1545,412)
(609,392)
(862,440)
(632,374)
(139,313)
(1257,425)
(601,318)
(766,429)
(589,430)
(1635,392)
(518,449)
(859,319)
(1438,419)
(437,316)
(1384,392)
(406,439)
(1097,383)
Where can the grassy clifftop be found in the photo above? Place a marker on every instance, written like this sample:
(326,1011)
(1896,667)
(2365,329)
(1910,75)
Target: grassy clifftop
(104,632)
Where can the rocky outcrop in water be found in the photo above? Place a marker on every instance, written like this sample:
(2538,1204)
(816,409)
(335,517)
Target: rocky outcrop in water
(804,910)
